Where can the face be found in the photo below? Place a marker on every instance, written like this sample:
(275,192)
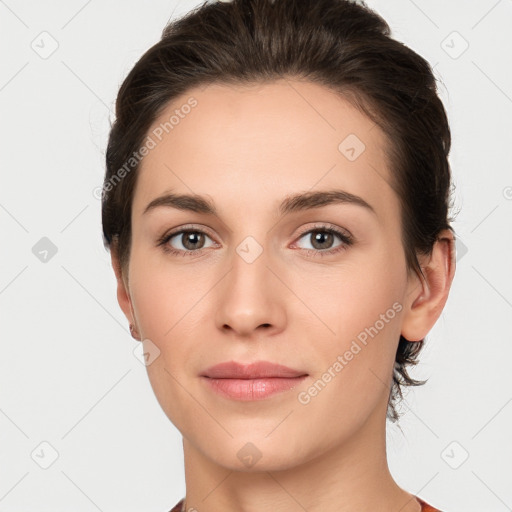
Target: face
(317,284)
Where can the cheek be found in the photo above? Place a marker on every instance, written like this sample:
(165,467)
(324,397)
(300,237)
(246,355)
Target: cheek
(161,296)
(165,302)
(169,303)
(354,367)
(360,309)
(352,296)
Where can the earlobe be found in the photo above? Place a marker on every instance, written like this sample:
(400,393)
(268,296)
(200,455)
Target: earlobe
(425,302)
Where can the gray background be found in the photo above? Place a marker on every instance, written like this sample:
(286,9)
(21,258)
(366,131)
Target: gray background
(75,399)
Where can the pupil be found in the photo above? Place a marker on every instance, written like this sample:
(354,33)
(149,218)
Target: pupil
(193,238)
(320,235)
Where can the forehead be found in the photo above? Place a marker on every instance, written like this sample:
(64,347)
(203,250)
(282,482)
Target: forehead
(266,140)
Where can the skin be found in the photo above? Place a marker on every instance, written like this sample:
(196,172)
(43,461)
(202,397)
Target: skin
(246,149)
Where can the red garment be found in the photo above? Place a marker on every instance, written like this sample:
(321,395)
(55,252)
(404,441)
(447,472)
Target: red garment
(425,507)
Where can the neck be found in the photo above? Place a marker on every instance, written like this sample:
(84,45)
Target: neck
(353,476)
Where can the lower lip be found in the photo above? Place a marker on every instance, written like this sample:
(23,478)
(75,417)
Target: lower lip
(252,389)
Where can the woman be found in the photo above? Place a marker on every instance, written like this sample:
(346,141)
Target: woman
(276,206)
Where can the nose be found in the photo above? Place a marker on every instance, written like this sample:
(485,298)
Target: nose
(251,297)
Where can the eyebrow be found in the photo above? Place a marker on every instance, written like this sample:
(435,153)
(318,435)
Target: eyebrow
(293,203)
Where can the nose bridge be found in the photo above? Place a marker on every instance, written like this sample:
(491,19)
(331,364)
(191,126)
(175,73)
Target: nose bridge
(251,250)
(249,274)
(249,296)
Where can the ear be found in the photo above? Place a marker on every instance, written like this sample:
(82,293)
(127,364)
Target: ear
(427,296)
(123,293)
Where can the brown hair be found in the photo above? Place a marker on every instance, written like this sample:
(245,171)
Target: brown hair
(340,44)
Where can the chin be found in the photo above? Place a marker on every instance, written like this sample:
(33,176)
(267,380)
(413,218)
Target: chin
(253,454)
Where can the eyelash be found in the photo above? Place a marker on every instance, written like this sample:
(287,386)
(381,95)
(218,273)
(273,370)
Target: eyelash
(347,240)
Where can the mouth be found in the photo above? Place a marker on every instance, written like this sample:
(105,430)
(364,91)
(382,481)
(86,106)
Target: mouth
(255,381)
(256,370)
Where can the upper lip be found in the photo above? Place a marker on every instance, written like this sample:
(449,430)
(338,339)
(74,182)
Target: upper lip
(258,369)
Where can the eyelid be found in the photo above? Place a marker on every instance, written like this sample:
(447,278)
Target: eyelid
(188,227)
(205,229)
(327,226)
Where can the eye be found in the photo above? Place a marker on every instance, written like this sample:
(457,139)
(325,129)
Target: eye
(191,241)
(322,238)
(184,242)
